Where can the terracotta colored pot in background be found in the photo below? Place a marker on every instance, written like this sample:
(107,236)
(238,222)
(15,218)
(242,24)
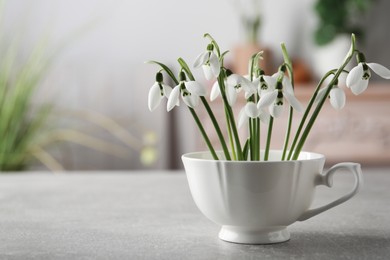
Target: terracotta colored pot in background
(243,53)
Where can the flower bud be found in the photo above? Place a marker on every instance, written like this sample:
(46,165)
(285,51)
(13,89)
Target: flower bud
(279,85)
(159,77)
(228,72)
(260,72)
(283,68)
(360,57)
(182,76)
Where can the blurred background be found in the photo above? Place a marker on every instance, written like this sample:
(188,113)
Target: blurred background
(82,62)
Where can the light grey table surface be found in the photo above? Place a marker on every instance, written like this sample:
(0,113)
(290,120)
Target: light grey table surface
(151,215)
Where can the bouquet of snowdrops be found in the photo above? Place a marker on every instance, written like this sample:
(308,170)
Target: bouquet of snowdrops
(266,97)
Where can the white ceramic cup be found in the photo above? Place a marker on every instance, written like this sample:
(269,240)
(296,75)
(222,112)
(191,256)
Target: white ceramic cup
(255,201)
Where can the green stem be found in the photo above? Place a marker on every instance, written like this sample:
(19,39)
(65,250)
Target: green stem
(235,134)
(230,118)
(207,35)
(217,128)
(268,144)
(253,63)
(307,111)
(322,101)
(204,134)
(193,113)
(230,136)
(257,136)
(166,69)
(185,67)
(287,60)
(246,149)
(288,132)
(252,139)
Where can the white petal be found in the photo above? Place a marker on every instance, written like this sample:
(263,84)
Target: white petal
(287,85)
(214,64)
(276,110)
(234,80)
(293,101)
(248,94)
(355,75)
(320,95)
(359,87)
(251,110)
(208,74)
(264,117)
(267,99)
(256,82)
(201,59)
(242,118)
(231,95)
(173,99)
(271,82)
(167,90)
(249,88)
(154,97)
(245,82)
(380,70)
(215,91)
(337,98)
(191,100)
(196,88)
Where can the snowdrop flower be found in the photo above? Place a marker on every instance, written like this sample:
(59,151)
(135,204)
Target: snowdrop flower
(265,83)
(209,62)
(358,77)
(190,91)
(336,96)
(233,85)
(250,110)
(157,92)
(275,99)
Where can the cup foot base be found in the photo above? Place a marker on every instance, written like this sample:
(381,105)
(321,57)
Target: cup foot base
(264,236)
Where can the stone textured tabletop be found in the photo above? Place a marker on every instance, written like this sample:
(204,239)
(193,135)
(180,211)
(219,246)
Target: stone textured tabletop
(151,215)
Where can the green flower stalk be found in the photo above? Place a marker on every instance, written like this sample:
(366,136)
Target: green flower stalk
(262,99)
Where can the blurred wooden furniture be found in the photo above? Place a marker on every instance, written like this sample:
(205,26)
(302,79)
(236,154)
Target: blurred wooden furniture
(359,132)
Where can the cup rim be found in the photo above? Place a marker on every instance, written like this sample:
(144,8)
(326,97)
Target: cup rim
(312,156)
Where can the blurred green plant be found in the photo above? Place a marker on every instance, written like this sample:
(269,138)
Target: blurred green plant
(26,126)
(21,123)
(250,17)
(339,17)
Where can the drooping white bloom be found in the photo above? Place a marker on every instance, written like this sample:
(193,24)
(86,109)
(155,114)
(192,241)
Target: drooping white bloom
(275,99)
(233,85)
(336,96)
(215,91)
(190,91)
(250,110)
(157,92)
(265,83)
(358,77)
(236,83)
(209,62)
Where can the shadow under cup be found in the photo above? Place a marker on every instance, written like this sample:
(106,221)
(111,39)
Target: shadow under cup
(255,201)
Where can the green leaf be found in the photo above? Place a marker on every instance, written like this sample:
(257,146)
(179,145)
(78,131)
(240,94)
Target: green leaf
(166,69)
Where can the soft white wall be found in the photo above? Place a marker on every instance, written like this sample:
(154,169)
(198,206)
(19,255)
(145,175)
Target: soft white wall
(102,68)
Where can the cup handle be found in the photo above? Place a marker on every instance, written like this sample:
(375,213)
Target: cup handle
(327,179)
